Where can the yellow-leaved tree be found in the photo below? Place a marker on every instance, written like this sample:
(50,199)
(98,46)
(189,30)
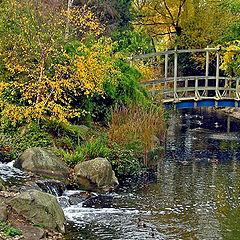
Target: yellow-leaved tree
(42,67)
(189,23)
(231,59)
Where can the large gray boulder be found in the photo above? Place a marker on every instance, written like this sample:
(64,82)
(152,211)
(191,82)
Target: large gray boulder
(42,161)
(96,174)
(41,208)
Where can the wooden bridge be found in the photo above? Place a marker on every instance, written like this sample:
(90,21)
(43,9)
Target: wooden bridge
(193,91)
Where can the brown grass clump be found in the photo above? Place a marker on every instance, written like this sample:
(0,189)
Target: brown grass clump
(136,127)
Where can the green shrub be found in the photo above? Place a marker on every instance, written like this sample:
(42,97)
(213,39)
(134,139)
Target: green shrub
(71,158)
(86,151)
(9,231)
(94,148)
(15,142)
(35,137)
(124,161)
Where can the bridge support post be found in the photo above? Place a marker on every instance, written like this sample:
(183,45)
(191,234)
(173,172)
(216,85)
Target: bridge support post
(197,95)
(237,89)
(175,74)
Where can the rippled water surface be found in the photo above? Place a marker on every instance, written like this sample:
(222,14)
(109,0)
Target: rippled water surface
(195,195)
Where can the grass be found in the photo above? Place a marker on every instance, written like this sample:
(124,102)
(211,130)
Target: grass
(90,149)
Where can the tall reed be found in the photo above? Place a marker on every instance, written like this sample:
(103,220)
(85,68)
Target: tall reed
(135,127)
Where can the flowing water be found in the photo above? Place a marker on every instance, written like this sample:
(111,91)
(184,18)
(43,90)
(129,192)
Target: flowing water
(195,194)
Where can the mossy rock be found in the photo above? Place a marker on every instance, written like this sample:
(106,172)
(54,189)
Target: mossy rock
(2,187)
(40,208)
(96,174)
(3,212)
(44,162)
(79,130)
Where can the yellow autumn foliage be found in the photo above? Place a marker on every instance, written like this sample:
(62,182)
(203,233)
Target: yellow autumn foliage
(230,59)
(41,75)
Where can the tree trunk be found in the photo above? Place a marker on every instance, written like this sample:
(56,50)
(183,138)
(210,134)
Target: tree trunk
(70,3)
(40,87)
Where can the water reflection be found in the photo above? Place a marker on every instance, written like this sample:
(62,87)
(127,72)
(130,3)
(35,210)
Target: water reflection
(196,195)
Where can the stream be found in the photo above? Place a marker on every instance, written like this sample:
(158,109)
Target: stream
(194,195)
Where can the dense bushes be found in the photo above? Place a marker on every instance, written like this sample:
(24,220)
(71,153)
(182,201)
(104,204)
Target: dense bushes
(59,71)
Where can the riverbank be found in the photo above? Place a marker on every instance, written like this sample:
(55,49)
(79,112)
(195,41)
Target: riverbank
(233,112)
(199,156)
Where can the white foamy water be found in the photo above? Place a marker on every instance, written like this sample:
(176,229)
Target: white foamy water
(11,174)
(108,223)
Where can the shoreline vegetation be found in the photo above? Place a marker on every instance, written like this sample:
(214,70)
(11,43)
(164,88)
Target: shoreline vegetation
(66,85)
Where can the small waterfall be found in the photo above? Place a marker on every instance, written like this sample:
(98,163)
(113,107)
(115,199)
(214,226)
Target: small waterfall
(53,187)
(12,175)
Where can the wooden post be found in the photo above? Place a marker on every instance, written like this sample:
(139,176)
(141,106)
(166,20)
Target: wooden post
(237,88)
(217,75)
(175,74)
(197,96)
(131,61)
(166,72)
(186,86)
(207,71)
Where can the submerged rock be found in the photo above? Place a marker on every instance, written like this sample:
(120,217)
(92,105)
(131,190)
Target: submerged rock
(3,157)
(96,174)
(225,136)
(42,161)
(41,208)
(50,186)
(80,197)
(28,186)
(74,197)
(99,201)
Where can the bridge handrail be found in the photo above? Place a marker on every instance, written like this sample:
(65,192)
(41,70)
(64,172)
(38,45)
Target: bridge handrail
(189,78)
(202,86)
(192,89)
(169,52)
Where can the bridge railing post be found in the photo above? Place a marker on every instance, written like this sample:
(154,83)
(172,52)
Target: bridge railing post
(207,71)
(237,89)
(197,95)
(166,72)
(217,94)
(186,86)
(175,74)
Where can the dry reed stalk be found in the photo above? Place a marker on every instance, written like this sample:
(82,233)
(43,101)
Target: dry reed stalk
(133,123)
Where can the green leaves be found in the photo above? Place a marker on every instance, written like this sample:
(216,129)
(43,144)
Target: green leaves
(9,231)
